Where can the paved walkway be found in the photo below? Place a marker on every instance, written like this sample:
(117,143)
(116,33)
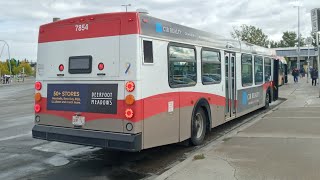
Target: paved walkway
(282,144)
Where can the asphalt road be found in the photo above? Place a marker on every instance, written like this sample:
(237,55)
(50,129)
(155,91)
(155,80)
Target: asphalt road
(22,157)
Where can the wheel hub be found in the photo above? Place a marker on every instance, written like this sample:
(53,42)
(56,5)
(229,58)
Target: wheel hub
(199,124)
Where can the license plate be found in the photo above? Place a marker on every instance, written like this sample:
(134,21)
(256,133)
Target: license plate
(78,120)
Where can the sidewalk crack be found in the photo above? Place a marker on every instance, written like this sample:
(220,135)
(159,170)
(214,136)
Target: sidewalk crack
(230,164)
(295,89)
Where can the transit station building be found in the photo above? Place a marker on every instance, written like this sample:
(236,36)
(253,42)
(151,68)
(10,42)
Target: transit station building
(291,53)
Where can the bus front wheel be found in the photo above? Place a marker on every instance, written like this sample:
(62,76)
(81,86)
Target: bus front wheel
(198,127)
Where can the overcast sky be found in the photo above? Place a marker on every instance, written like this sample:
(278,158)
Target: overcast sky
(20,19)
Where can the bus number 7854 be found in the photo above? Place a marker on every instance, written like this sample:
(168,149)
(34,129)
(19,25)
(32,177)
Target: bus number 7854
(82,27)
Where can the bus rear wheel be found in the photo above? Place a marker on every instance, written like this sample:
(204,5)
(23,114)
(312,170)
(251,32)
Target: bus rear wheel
(199,127)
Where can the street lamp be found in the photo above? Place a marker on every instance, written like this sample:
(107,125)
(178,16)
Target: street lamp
(318,59)
(5,43)
(308,42)
(298,4)
(126,5)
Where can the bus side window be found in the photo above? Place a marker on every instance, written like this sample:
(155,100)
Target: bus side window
(246,70)
(182,64)
(267,69)
(258,70)
(147,52)
(211,66)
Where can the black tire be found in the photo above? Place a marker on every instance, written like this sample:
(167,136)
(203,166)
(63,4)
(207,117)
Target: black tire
(198,127)
(267,100)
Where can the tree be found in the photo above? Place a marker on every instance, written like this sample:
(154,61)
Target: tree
(274,44)
(26,66)
(16,67)
(314,39)
(290,39)
(13,64)
(15,70)
(302,41)
(254,35)
(3,68)
(251,34)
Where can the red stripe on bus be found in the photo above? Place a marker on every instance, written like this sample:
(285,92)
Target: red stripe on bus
(143,108)
(159,103)
(266,85)
(99,25)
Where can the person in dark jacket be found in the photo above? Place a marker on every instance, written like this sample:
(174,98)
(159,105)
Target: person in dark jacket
(295,74)
(314,76)
(7,79)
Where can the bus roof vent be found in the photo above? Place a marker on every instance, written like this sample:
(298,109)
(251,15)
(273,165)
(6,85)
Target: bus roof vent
(55,19)
(143,11)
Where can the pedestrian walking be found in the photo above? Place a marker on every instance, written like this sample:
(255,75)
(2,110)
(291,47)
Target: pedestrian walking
(6,79)
(295,74)
(314,76)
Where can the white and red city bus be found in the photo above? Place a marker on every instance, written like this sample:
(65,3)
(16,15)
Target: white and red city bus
(129,81)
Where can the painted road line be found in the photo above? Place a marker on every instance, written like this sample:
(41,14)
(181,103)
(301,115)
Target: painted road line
(16,136)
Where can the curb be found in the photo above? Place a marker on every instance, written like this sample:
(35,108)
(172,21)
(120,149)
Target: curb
(211,145)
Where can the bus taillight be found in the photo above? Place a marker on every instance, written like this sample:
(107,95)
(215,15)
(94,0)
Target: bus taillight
(130,86)
(37,97)
(38,86)
(100,66)
(37,108)
(129,99)
(61,67)
(129,113)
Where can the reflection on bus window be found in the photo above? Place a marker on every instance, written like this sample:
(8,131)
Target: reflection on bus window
(267,69)
(246,69)
(280,67)
(211,67)
(258,70)
(182,66)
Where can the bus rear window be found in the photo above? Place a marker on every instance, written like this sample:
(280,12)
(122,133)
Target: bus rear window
(80,64)
(147,51)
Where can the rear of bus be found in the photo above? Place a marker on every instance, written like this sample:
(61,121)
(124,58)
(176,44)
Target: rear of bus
(86,89)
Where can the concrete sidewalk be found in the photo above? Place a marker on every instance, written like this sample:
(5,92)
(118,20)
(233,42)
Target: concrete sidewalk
(282,144)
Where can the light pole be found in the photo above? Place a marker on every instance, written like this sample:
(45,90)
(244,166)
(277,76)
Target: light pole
(308,60)
(298,38)
(5,42)
(126,5)
(318,59)
(298,4)
(308,42)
